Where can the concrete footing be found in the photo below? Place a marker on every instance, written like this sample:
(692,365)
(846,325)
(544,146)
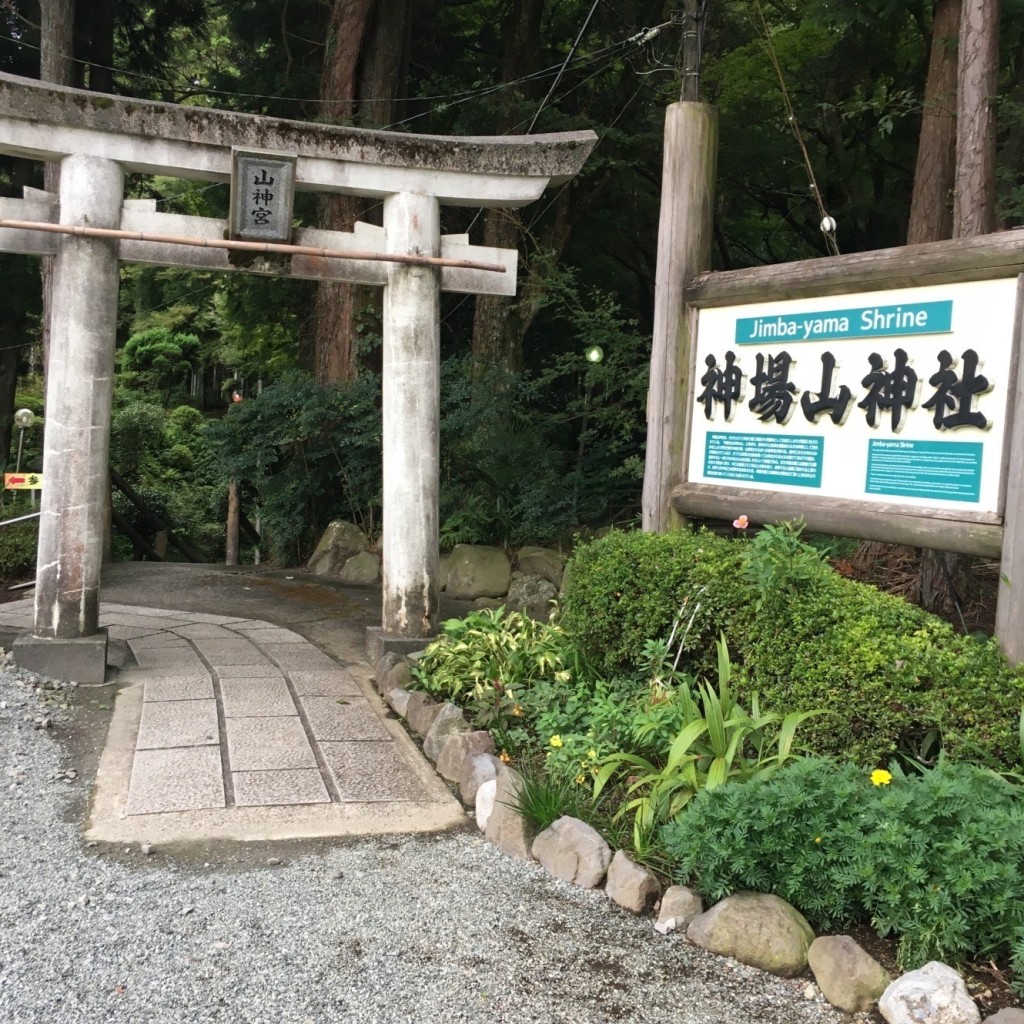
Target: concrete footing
(379,643)
(82,659)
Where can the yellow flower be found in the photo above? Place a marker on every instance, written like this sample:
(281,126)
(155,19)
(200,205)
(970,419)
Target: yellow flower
(592,754)
(505,757)
(817,839)
(517,710)
(556,741)
(880,777)
(580,779)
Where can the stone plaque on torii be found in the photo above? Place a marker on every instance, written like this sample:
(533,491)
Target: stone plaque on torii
(97,139)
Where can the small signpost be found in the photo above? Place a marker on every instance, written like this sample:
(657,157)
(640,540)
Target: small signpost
(262,195)
(23,481)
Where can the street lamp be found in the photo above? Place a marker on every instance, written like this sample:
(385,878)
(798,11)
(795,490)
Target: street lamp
(23,419)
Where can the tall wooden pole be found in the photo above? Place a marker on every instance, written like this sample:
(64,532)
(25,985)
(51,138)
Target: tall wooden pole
(684,249)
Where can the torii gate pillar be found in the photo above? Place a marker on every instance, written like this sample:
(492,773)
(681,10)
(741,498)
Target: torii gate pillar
(83,330)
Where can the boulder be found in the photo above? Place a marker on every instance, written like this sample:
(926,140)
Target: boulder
(630,885)
(934,994)
(476,770)
(506,827)
(340,541)
(573,851)
(477,571)
(484,803)
(848,977)
(1007,1015)
(459,746)
(420,713)
(679,906)
(543,562)
(362,569)
(398,676)
(531,595)
(448,720)
(756,929)
(398,701)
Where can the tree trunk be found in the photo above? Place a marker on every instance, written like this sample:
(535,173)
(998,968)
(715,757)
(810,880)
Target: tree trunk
(365,62)
(946,578)
(498,323)
(931,214)
(975,190)
(57,65)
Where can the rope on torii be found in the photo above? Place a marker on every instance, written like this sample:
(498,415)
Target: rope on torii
(240,245)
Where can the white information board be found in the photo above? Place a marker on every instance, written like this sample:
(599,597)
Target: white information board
(898,396)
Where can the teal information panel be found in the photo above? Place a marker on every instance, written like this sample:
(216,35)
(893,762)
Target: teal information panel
(764,458)
(950,470)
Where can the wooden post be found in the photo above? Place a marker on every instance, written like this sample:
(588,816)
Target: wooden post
(231,541)
(1010,602)
(684,249)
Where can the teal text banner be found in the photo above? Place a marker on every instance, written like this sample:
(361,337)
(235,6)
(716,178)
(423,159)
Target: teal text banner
(858,322)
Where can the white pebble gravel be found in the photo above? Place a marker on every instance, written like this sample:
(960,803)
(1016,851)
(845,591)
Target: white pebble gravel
(390,929)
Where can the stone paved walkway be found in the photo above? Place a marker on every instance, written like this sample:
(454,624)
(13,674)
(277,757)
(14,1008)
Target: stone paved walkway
(246,718)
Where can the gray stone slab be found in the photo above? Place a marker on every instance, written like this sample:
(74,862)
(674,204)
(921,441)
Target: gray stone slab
(262,671)
(273,636)
(82,659)
(258,744)
(176,780)
(301,657)
(230,652)
(205,630)
(371,772)
(163,621)
(160,638)
(267,789)
(343,718)
(130,632)
(325,684)
(180,723)
(256,698)
(169,660)
(164,688)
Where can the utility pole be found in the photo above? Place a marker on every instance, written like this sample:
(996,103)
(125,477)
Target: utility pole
(689,51)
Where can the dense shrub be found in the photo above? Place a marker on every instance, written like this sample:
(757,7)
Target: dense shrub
(886,672)
(933,859)
(18,544)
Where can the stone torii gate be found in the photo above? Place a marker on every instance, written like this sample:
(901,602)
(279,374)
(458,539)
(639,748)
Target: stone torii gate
(98,138)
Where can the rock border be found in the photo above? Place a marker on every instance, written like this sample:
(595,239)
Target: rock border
(760,930)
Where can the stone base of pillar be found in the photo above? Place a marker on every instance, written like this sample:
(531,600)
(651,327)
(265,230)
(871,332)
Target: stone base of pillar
(83,659)
(379,643)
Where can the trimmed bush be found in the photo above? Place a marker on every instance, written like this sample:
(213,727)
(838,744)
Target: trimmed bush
(933,859)
(885,672)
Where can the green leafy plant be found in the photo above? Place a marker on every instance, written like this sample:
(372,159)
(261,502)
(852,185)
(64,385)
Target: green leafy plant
(779,563)
(931,858)
(718,742)
(545,797)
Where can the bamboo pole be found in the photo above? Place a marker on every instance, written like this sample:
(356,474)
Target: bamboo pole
(238,245)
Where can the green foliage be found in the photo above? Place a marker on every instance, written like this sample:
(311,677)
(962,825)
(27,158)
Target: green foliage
(159,360)
(887,672)
(717,742)
(933,859)
(780,564)
(17,543)
(487,661)
(309,452)
(545,797)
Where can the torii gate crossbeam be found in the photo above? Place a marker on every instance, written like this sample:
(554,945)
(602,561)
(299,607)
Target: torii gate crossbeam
(97,139)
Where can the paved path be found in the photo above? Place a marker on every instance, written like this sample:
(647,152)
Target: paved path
(229,727)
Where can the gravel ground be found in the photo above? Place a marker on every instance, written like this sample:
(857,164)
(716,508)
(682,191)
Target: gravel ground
(431,929)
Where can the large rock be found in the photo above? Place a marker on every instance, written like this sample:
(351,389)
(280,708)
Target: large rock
(399,676)
(459,746)
(477,571)
(543,562)
(484,803)
(477,770)
(531,595)
(421,712)
(679,906)
(362,569)
(573,851)
(934,994)
(447,721)
(506,827)
(340,541)
(398,701)
(757,929)
(1007,1015)
(848,977)
(630,885)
